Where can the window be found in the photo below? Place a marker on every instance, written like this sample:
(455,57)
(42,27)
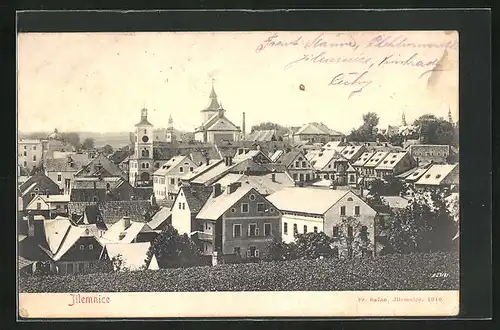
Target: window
(143,165)
(315,229)
(335,232)
(38,206)
(349,231)
(147,165)
(191,169)
(34,158)
(91,247)
(237,250)
(172,181)
(252,197)
(233,210)
(25,164)
(81,267)
(253,230)
(342,210)
(25,153)
(336,252)
(303,164)
(350,199)
(145,131)
(271,210)
(305,229)
(297,164)
(295,230)
(285,228)
(69,268)
(260,207)
(267,229)
(82,247)
(244,207)
(162,180)
(180,205)
(356,210)
(24,147)
(183,206)
(181,169)
(364,232)
(236,230)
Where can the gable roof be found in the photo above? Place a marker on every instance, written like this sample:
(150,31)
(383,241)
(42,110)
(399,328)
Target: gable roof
(110,211)
(222,124)
(263,135)
(391,160)
(133,255)
(41,180)
(102,166)
(436,174)
(196,196)
(96,183)
(171,164)
(65,164)
(349,152)
(363,159)
(306,200)
(320,159)
(200,170)
(376,159)
(119,156)
(216,206)
(60,236)
(159,217)
(289,157)
(112,235)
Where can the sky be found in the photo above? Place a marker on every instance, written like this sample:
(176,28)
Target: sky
(99,82)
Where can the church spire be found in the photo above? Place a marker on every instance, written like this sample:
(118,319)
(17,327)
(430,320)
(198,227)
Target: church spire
(450,119)
(213,95)
(170,121)
(403,119)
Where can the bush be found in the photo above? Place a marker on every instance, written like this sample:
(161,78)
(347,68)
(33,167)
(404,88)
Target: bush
(391,272)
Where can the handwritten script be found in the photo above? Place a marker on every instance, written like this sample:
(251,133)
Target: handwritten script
(375,53)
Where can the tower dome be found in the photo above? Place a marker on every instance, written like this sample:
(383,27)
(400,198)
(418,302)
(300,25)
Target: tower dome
(55,135)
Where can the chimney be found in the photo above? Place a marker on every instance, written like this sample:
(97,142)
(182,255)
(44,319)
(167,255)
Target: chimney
(216,190)
(243,126)
(273,177)
(229,160)
(232,187)
(126,221)
(207,161)
(240,151)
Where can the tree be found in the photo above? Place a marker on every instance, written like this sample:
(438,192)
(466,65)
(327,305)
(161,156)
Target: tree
(71,138)
(88,144)
(107,149)
(280,130)
(313,245)
(174,250)
(391,186)
(279,250)
(367,131)
(353,239)
(435,130)
(425,225)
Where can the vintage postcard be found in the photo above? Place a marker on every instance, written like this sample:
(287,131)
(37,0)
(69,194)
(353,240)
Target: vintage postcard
(238,174)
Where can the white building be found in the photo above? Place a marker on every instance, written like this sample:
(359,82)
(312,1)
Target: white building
(141,162)
(306,210)
(166,180)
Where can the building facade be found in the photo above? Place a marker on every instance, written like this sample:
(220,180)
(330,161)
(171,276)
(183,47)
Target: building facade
(167,179)
(29,153)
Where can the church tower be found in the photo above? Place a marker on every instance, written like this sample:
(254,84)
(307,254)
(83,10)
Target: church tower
(141,163)
(212,107)
(170,130)
(403,120)
(450,118)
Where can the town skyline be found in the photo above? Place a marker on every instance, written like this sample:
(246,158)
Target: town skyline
(88,80)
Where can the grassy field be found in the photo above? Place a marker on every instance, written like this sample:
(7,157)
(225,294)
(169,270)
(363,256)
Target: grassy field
(392,272)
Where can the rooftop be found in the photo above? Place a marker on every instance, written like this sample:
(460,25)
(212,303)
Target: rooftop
(216,206)
(306,200)
(436,174)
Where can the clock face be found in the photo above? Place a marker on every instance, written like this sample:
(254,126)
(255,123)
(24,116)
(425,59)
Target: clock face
(145,138)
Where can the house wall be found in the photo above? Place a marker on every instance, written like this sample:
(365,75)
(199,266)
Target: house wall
(301,220)
(301,169)
(230,218)
(435,153)
(366,217)
(82,255)
(60,178)
(181,215)
(29,154)
(217,137)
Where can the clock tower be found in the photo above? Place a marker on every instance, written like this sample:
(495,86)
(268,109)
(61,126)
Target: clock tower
(141,163)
